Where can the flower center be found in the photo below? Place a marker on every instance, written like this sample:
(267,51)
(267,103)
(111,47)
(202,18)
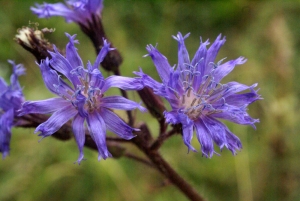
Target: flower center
(198,100)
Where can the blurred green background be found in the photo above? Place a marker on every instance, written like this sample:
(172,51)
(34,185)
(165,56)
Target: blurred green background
(267,168)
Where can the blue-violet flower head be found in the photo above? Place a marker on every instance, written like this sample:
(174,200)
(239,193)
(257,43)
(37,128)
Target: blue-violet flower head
(84,100)
(197,97)
(79,11)
(11,98)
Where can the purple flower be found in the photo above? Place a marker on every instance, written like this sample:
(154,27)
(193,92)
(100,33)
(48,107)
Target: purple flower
(197,97)
(80,11)
(11,99)
(84,100)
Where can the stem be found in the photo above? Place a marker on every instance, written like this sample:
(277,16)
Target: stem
(161,138)
(162,166)
(136,158)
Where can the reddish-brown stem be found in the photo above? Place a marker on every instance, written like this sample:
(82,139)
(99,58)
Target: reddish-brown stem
(163,167)
(161,138)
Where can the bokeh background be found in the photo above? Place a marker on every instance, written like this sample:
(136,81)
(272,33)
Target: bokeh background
(267,168)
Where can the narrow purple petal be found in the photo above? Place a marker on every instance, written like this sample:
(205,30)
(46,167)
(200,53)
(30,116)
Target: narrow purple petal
(233,142)
(245,99)
(3,85)
(224,69)
(57,9)
(96,78)
(172,117)
(212,53)
(50,76)
(6,123)
(62,65)
(216,130)
(117,125)
(79,133)
(97,130)
(183,55)
(161,63)
(71,52)
(204,138)
(187,134)
(235,114)
(120,103)
(43,106)
(157,87)
(104,50)
(57,120)
(125,83)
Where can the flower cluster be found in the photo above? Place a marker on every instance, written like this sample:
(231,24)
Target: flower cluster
(84,100)
(11,98)
(197,97)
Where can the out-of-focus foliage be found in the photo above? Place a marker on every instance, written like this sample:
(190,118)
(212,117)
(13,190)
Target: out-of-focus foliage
(268,167)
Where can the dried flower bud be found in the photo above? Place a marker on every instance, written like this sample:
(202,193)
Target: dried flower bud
(33,41)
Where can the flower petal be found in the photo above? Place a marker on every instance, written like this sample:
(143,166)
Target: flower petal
(120,103)
(161,63)
(57,9)
(57,120)
(71,52)
(62,65)
(183,55)
(233,142)
(172,117)
(6,123)
(204,138)
(216,130)
(117,125)
(79,134)
(224,69)
(245,99)
(157,87)
(3,85)
(235,114)
(125,83)
(104,50)
(212,53)
(97,130)
(187,133)
(43,106)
